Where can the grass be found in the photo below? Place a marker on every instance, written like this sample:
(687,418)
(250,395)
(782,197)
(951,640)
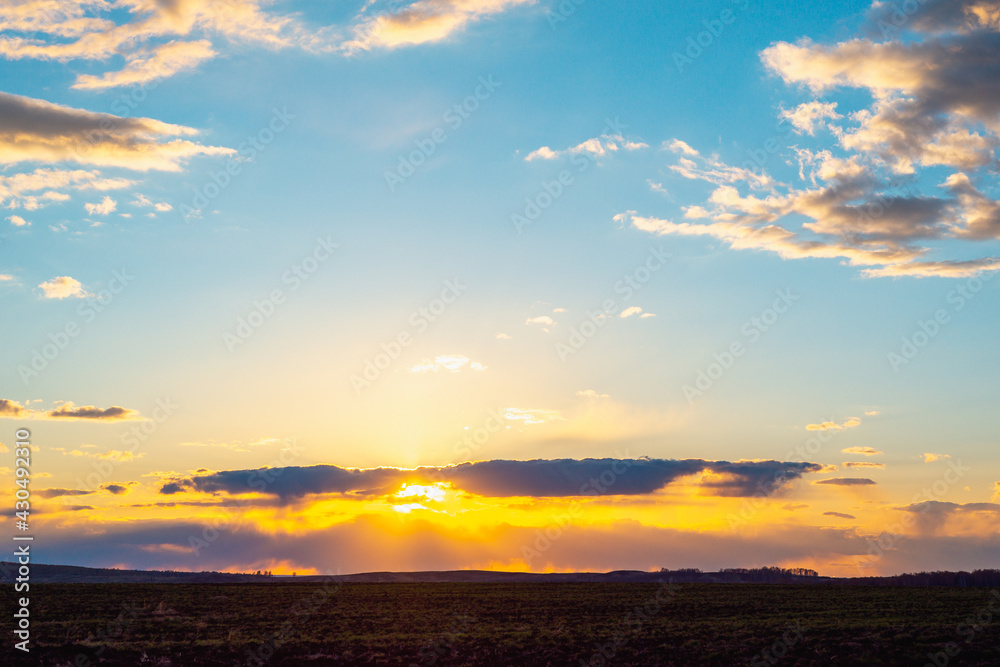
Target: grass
(502,624)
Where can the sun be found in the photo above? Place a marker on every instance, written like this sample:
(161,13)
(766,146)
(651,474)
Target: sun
(433,492)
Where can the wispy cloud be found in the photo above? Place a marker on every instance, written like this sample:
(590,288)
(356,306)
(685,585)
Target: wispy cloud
(863,451)
(846,481)
(596,147)
(834,426)
(447,362)
(66,410)
(861,197)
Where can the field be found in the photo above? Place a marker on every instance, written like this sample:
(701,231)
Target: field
(505,624)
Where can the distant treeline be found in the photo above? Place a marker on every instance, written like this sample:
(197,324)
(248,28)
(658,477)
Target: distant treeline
(740,575)
(989,578)
(780,575)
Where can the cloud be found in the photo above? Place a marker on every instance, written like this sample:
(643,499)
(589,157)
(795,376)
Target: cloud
(839,515)
(11,409)
(63,287)
(18,221)
(39,131)
(529,416)
(867,197)
(996,491)
(147,65)
(502,336)
(447,362)
(846,481)
(932,515)
(117,489)
(834,426)
(422,22)
(106,206)
(43,186)
(542,320)
(501,478)
(630,311)
(56,493)
(872,413)
(931,458)
(678,146)
(712,169)
(863,451)
(596,147)
(89,412)
(590,393)
(864,464)
(64,31)
(143,201)
(808,116)
(116,455)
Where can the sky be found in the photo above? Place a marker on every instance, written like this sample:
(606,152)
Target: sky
(528,285)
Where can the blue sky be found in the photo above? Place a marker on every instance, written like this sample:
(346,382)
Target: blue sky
(748,162)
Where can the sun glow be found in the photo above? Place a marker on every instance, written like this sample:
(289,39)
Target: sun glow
(433,492)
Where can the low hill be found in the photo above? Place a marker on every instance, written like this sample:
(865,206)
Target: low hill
(41,573)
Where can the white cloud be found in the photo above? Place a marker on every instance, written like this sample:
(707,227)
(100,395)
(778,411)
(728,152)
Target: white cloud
(834,426)
(447,362)
(143,201)
(590,393)
(63,287)
(422,22)
(807,117)
(596,147)
(630,311)
(531,416)
(105,207)
(18,221)
(34,189)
